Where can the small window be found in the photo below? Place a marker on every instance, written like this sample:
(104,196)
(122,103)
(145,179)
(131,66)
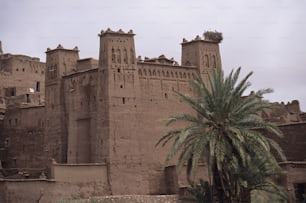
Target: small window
(214,62)
(11,91)
(37,86)
(123,100)
(113,55)
(118,70)
(28,98)
(206,60)
(118,56)
(166,95)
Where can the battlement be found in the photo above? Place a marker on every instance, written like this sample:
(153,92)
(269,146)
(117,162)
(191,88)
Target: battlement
(119,32)
(60,47)
(284,113)
(208,36)
(162,59)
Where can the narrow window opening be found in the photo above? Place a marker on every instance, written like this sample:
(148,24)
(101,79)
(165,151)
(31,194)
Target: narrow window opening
(123,100)
(206,60)
(118,56)
(121,86)
(37,86)
(28,98)
(214,62)
(113,55)
(166,95)
(118,70)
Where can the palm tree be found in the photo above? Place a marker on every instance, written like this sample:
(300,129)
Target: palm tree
(224,131)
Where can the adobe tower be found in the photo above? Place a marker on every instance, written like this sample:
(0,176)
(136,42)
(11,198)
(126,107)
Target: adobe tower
(59,62)
(118,90)
(203,53)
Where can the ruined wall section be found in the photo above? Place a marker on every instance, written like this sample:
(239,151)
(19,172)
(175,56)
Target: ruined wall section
(284,113)
(21,75)
(23,133)
(81,106)
(59,63)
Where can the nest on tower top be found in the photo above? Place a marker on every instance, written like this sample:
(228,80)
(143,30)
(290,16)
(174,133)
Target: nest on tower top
(213,36)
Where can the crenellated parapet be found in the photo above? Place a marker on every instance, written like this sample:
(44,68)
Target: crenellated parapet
(119,32)
(208,36)
(158,71)
(162,59)
(60,47)
(284,113)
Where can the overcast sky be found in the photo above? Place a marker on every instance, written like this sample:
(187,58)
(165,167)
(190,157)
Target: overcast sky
(264,36)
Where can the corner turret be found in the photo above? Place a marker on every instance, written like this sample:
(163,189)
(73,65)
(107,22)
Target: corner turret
(203,52)
(60,62)
(117,48)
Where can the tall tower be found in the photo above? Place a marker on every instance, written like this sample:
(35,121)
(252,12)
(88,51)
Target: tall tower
(118,90)
(203,53)
(59,62)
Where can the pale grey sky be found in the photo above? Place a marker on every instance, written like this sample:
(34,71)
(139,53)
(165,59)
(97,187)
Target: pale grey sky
(265,36)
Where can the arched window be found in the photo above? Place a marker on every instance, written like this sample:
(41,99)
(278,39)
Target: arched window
(118,56)
(206,60)
(125,56)
(132,56)
(113,56)
(214,62)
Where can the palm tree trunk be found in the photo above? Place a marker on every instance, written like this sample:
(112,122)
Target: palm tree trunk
(219,191)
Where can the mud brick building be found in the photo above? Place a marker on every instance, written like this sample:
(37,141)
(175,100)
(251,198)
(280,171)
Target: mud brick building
(86,126)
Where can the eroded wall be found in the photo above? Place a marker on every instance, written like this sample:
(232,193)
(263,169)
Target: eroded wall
(68,182)
(21,73)
(80,93)
(23,134)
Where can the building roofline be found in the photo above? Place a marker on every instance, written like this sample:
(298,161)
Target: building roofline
(119,32)
(167,65)
(80,72)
